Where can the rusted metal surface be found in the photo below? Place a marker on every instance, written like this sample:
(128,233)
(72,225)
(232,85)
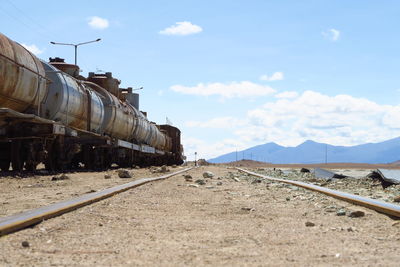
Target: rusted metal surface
(6,113)
(68,102)
(380,206)
(106,81)
(60,64)
(22,82)
(20,221)
(175,135)
(119,118)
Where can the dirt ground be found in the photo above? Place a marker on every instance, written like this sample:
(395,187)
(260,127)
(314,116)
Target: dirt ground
(230,219)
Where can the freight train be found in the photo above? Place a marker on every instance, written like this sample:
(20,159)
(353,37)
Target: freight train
(51,114)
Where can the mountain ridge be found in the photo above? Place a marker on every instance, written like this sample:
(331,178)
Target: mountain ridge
(310,152)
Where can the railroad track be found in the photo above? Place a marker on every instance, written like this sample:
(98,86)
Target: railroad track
(380,206)
(22,220)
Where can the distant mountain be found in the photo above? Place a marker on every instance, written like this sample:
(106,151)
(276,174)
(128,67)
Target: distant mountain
(313,152)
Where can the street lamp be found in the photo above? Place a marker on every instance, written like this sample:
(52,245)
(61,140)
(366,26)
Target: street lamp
(76,46)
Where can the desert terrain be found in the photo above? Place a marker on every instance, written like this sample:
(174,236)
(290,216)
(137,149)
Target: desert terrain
(228,219)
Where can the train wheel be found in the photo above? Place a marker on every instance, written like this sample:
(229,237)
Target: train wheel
(5,156)
(50,162)
(5,165)
(17,160)
(30,166)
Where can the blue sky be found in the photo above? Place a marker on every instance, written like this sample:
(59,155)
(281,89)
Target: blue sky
(233,74)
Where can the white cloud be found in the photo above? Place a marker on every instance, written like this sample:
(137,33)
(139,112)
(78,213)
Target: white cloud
(228,90)
(338,120)
(287,94)
(276,76)
(98,23)
(182,28)
(33,48)
(221,122)
(332,34)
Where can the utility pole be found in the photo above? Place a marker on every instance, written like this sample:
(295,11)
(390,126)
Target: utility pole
(195,158)
(326,153)
(76,47)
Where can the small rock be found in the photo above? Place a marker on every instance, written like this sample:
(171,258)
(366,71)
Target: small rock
(188,177)
(330,209)
(341,212)
(208,174)
(210,187)
(137,167)
(310,224)
(356,214)
(236,179)
(248,209)
(304,170)
(59,178)
(200,182)
(396,199)
(257,181)
(164,169)
(219,183)
(155,170)
(124,174)
(288,199)
(90,191)
(193,185)
(107,176)
(100,224)
(174,166)
(25,244)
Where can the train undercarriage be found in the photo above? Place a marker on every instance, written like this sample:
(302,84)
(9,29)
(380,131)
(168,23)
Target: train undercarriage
(27,140)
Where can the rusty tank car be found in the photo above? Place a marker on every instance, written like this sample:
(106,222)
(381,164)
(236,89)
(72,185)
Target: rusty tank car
(52,115)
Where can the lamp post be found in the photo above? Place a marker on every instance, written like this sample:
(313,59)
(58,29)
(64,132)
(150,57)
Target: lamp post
(76,46)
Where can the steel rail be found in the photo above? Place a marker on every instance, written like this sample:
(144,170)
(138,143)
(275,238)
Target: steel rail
(380,206)
(22,220)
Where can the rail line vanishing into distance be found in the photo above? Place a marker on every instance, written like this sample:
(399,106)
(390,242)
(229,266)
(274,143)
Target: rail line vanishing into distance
(22,220)
(380,206)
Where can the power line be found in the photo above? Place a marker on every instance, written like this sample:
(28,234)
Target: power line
(27,21)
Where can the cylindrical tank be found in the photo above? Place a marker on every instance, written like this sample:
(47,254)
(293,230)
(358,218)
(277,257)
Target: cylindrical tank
(119,117)
(68,101)
(106,81)
(22,78)
(142,128)
(70,69)
(157,138)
